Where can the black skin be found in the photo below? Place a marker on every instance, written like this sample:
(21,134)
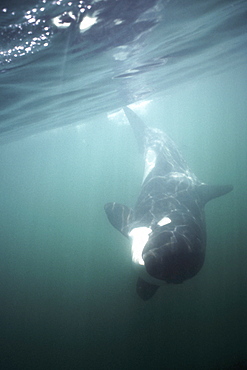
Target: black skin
(176,251)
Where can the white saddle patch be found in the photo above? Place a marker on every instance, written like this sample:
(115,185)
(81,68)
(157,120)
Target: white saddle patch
(139,236)
(150,161)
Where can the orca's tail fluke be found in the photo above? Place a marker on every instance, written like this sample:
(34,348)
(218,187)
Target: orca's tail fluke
(137,125)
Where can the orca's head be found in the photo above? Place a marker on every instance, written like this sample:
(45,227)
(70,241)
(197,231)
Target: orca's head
(170,252)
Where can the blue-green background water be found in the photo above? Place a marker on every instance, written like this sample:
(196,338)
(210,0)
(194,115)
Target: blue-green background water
(67,287)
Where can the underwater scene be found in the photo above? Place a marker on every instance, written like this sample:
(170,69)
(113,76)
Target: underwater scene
(123,172)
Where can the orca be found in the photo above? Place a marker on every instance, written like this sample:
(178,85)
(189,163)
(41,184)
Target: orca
(167,225)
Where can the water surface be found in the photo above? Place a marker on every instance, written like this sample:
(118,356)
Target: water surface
(67,287)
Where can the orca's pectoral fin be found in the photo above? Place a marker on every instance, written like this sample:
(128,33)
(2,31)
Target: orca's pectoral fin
(208,192)
(120,216)
(144,289)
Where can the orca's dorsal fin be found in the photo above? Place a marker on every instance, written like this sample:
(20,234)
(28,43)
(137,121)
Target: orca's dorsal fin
(138,127)
(208,192)
(120,216)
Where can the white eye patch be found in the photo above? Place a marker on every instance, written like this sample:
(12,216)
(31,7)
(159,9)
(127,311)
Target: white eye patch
(164,221)
(139,236)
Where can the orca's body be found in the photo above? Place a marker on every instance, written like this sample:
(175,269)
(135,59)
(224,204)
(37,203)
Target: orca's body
(167,226)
